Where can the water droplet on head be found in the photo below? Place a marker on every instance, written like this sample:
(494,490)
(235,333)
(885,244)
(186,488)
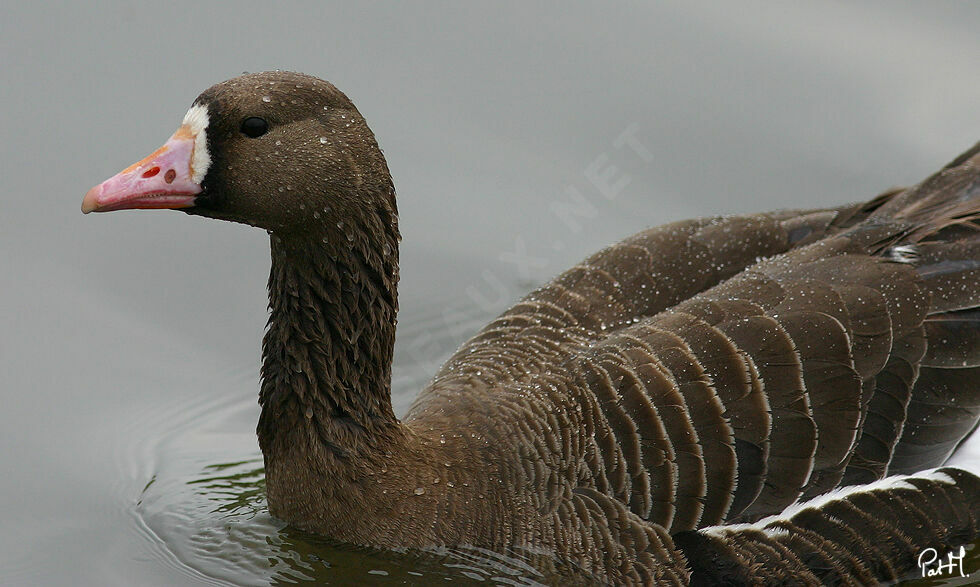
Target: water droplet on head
(419,490)
(340,225)
(316,213)
(323,140)
(308,412)
(266,99)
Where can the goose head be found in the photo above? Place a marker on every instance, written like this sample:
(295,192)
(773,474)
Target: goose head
(282,151)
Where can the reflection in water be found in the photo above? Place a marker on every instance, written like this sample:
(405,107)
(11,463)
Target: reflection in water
(217,523)
(235,487)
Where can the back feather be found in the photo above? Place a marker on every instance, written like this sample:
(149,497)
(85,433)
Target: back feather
(721,370)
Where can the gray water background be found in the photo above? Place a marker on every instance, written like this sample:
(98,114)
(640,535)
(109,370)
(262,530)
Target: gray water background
(129,341)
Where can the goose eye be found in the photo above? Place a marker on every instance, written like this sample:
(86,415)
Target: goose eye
(254,127)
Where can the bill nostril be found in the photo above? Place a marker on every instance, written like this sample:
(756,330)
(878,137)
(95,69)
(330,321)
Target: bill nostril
(169,176)
(151,172)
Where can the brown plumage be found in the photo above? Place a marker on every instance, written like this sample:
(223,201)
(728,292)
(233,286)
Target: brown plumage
(626,414)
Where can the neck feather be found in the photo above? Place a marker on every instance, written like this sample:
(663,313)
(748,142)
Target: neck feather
(327,352)
(337,461)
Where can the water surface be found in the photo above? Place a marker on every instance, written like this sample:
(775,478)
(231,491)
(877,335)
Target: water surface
(129,342)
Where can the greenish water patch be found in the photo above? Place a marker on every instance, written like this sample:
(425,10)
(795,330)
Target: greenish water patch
(217,523)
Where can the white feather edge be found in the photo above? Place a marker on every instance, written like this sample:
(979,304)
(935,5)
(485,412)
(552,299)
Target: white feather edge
(197,120)
(893,482)
(967,456)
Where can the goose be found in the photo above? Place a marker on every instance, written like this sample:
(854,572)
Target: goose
(740,399)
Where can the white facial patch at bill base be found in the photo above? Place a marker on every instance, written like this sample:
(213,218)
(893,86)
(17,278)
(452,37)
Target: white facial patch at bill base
(196,120)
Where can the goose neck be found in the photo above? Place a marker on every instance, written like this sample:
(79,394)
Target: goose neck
(328,347)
